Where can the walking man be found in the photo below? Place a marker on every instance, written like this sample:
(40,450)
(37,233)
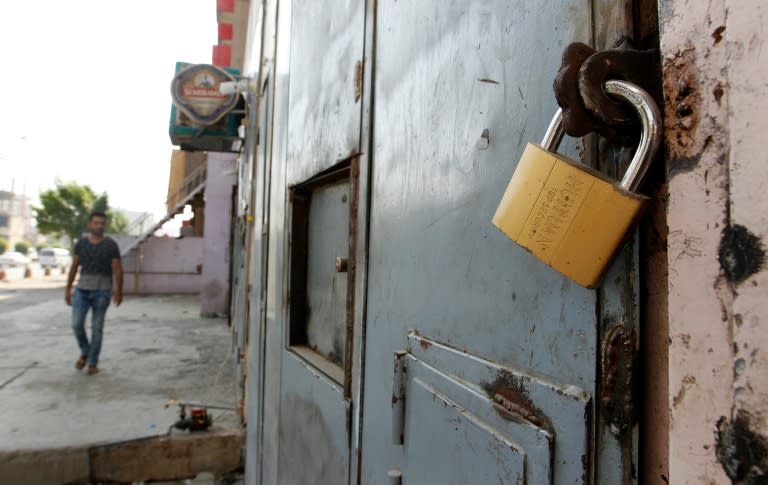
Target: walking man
(99,259)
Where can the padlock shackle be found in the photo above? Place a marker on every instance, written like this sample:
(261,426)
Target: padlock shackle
(555,132)
(650,118)
(650,138)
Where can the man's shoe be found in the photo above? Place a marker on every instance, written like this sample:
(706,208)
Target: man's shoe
(92,371)
(80,363)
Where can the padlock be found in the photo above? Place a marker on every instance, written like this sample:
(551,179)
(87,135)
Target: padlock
(569,215)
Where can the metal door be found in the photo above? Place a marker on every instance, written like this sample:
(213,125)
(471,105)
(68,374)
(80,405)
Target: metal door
(323,141)
(243,228)
(501,356)
(465,360)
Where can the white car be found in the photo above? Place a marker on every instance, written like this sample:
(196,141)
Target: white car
(13,259)
(55,258)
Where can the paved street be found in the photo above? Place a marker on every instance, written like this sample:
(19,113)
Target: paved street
(156,348)
(20,293)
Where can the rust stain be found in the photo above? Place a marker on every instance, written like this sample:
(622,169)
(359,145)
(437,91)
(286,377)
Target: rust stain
(688,381)
(617,387)
(718,34)
(424,344)
(683,103)
(510,400)
(516,405)
(358,81)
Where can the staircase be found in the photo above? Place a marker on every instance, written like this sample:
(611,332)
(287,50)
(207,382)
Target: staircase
(183,194)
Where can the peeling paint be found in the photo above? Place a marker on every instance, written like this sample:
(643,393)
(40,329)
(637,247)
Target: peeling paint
(742,452)
(511,402)
(688,381)
(683,101)
(741,253)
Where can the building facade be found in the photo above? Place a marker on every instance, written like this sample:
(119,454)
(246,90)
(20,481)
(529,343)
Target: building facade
(17,219)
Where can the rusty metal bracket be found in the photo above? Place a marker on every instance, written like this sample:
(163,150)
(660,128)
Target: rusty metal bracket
(617,393)
(638,67)
(577,119)
(580,92)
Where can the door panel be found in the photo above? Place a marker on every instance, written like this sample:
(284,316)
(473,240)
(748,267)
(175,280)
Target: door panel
(314,447)
(460,88)
(326,47)
(323,138)
(476,451)
(503,353)
(541,419)
(328,239)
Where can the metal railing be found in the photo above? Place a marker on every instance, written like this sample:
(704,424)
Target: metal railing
(136,227)
(189,184)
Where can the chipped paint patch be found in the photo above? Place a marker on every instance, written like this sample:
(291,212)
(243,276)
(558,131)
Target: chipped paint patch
(683,101)
(511,401)
(688,381)
(741,253)
(742,452)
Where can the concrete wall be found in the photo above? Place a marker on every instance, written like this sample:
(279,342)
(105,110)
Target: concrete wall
(166,265)
(214,294)
(123,241)
(714,67)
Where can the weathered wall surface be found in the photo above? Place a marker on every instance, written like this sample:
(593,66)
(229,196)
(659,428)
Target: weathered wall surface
(714,65)
(214,292)
(166,265)
(742,251)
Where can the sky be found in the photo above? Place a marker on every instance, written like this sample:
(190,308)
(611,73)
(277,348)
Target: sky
(85,93)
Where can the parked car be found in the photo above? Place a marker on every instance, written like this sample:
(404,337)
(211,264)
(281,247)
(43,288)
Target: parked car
(55,258)
(13,259)
(32,254)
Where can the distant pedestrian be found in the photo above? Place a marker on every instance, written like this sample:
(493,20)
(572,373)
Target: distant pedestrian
(98,258)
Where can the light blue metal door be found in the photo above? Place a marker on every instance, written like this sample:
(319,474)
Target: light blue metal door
(323,139)
(501,356)
(404,336)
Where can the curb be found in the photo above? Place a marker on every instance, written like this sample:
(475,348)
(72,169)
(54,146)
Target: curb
(165,458)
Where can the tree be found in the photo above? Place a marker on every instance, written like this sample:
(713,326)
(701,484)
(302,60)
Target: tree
(22,247)
(65,209)
(3,245)
(117,223)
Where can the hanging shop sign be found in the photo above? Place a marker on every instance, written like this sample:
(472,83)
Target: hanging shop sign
(202,118)
(195,91)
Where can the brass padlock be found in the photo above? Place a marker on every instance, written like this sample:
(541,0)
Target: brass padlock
(569,215)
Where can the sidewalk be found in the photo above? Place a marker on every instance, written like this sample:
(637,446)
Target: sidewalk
(156,348)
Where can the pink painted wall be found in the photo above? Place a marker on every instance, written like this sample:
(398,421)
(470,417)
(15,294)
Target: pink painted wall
(167,265)
(214,292)
(715,63)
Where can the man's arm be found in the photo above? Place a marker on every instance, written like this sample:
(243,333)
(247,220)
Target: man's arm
(71,278)
(117,270)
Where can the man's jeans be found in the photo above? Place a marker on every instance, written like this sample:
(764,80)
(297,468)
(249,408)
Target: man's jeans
(98,302)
